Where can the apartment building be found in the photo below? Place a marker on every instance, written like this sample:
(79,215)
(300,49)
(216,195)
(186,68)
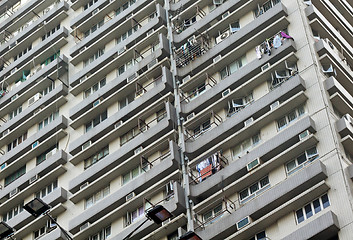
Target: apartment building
(234,115)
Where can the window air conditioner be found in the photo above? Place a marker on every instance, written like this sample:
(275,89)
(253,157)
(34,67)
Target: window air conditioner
(244,222)
(33,179)
(253,164)
(248,121)
(223,36)
(35,144)
(191,115)
(14,97)
(137,150)
(96,103)
(152,63)
(5,132)
(274,105)
(13,192)
(217,2)
(84,185)
(3,166)
(216,59)
(51,153)
(304,134)
(226,14)
(34,99)
(187,78)
(150,32)
(86,145)
(86,225)
(132,77)
(13,70)
(130,196)
(118,124)
(225,92)
(95,11)
(264,67)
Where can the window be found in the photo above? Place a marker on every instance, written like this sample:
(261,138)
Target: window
(213,214)
(16,142)
(51,58)
(94,28)
(94,88)
(124,7)
(13,212)
(48,120)
(127,100)
(305,158)
(133,216)
(42,157)
(235,26)
(129,135)
(261,9)
(27,49)
(127,34)
(259,236)
(123,68)
(15,175)
(290,117)
(254,190)
(202,128)
(173,236)
(197,91)
(102,234)
(48,89)
(15,112)
(45,229)
(50,32)
(235,105)
(90,3)
(233,67)
(95,56)
(245,146)
(312,208)
(97,120)
(96,157)
(134,173)
(97,197)
(48,189)
(161,115)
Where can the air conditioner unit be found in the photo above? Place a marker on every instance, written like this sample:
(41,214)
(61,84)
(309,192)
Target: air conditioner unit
(264,67)
(217,2)
(13,192)
(223,36)
(130,196)
(244,222)
(3,166)
(253,164)
(248,121)
(191,115)
(14,97)
(137,150)
(187,78)
(51,153)
(86,225)
(132,77)
(150,32)
(118,124)
(86,145)
(84,185)
(274,105)
(216,59)
(304,134)
(33,179)
(35,144)
(225,92)
(13,70)
(34,98)
(96,103)
(95,11)
(152,63)
(226,14)
(5,132)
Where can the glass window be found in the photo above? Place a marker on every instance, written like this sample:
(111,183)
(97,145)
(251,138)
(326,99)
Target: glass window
(300,215)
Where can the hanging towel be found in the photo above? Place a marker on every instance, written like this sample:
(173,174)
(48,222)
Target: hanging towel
(258,52)
(277,41)
(284,35)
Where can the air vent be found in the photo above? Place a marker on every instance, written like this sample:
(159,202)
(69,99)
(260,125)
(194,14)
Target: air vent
(274,105)
(14,97)
(216,59)
(118,124)
(132,77)
(5,132)
(137,150)
(13,192)
(152,63)
(304,134)
(191,115)
(130,196)
(264,67)
(33,179)
(84,185)
(253,164)
(96,103)
(244,222)
(248,122)
(86,145)
(225,92)
(35,144)
(84,226)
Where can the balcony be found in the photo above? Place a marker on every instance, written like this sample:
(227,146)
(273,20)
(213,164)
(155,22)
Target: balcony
(282,211)
(246,38)
(87,13)
(247,77)
(273,153)
(164,126)
(345,129)
(57,196)
(102,215)
(169,163)
(259,110)
(324,227)
(112,25)
(28,88)
(340,98)
(48,136)
(269,200)
(99,69)
(37,29)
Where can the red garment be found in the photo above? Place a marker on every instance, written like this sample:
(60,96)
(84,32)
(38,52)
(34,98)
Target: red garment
(207,171)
